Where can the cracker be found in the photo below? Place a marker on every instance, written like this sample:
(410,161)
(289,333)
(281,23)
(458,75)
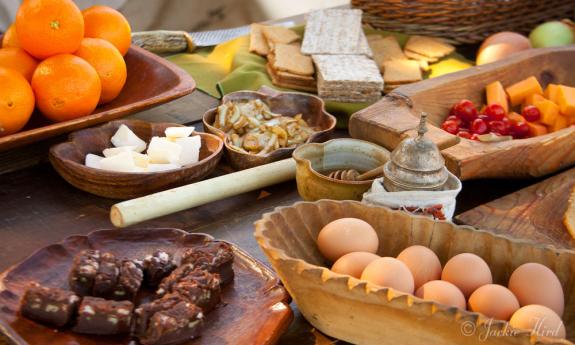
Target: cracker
(419,57)
(279,34)
(288,58)
(289,85)
(335,31)
(429,46)
(401,71)
(347,68)
(386,49)
(258,42)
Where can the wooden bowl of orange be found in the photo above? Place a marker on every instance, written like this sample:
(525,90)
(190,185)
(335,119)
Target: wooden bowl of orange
(81,69)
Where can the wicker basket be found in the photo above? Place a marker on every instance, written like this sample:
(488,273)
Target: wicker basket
(461,21)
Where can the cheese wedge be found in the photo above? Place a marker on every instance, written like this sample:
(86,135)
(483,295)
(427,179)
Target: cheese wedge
(569,217)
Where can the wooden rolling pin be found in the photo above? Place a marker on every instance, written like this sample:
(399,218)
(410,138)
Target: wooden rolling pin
(170,201)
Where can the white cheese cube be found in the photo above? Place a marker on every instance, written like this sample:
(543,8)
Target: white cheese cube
(140,160)
(125,137)
(161,167)
(93,161)
(122,162)
(117,150)
(178,132)
(190,149)
(162,151)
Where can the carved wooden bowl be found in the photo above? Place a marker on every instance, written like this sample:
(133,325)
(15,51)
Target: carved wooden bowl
(311,107)
(68,160)
(363,313)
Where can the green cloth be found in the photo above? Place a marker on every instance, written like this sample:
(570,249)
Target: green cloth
(230,67)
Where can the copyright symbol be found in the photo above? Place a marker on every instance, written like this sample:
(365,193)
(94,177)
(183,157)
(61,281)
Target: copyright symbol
(468,328)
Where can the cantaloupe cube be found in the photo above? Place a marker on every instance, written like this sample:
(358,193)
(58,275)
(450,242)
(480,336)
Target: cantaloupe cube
(560,123)
(523,89)
(551,92)
(496,95)
(536,129)
(549,112)
(566,99)
(530,100)
(513,116)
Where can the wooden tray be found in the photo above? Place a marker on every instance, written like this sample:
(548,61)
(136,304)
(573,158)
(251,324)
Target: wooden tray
(255,309)
(534,213)
(396,115)
(151,81)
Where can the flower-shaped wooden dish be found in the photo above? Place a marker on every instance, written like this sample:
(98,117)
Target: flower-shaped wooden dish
(394,117)
(311,107)
(256,307)
(151,81)
(68,160)
(363,313)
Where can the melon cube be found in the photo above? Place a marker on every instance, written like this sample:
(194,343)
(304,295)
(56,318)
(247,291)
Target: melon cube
(496,95)
(190,149)
(549,112)
(551,92)
(566,100)
(163,151)
(560,123)
(125,137)
(536,129)
(93,161)
(518,92)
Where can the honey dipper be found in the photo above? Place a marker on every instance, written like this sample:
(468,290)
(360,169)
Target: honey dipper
(354,175)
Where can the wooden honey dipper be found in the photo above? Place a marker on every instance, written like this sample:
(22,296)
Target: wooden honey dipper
(354,175)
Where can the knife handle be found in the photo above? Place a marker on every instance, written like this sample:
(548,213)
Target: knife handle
(164,41)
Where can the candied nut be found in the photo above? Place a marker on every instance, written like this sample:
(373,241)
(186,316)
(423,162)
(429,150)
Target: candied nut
(51,308)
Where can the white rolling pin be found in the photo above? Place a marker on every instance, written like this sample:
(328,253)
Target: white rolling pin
(156,205)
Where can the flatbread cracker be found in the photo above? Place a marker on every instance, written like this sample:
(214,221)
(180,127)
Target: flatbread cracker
(401,71)
(429,46)
(386,49)
(288,84)
(416,56)
(288,58)
(258,42)
(279,34)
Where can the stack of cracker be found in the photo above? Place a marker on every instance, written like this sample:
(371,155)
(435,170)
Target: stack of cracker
(287,66)
(341,54)
(427,49)
(348,78)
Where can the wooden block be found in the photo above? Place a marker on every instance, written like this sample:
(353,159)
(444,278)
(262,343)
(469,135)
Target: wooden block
(518,92)
(496,95)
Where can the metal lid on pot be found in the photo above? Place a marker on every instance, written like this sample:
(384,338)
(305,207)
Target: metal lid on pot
(415,164)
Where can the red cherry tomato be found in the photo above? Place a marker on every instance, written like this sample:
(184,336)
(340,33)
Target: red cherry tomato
(531,113)
(464,134)
(450,126)
(519,130)
(499,127)
(483,117)
(474,137)
(495,112)
(466,110)
(456,119)
(478,126)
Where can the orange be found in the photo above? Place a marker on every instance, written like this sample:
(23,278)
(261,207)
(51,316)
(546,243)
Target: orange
(16,101)
(107,23)
(66,87)
(109,64)
(10,39)
(49,27)
(17,59)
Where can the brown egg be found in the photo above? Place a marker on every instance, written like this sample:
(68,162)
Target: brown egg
(442,292)
(389,272)
(501,45)
(346,235)
(423,264)
(468,272)
(353,263)
(495,301)
(533,283)
(539,319)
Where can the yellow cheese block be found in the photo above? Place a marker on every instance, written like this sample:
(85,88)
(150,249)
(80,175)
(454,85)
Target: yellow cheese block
(496,95)
(566,99)
(518,92)
(549,112)
(560,123)
(551,92)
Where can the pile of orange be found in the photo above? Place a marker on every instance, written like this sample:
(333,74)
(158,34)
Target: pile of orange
(61,60)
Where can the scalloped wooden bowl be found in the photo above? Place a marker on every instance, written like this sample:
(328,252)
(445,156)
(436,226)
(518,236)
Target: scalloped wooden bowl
(363,313)
(390,120)
(68,160)
(311,107)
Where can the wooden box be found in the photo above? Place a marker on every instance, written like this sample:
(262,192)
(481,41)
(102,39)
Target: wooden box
(362,313)
(396,115)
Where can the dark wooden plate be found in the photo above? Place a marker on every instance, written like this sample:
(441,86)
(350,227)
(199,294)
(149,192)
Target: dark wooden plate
(151,81)
(255,309)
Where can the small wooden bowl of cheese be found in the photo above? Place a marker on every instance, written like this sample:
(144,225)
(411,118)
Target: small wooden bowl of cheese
(130,158)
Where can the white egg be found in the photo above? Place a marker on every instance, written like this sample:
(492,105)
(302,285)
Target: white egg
(161,167)
(190,149)
(122,162)
(125,137)
(117,150)
(93,161)
(163,151)
(178,132)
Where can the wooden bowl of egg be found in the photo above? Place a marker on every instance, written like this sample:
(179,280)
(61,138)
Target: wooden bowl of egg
(130,158)
(372,275)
